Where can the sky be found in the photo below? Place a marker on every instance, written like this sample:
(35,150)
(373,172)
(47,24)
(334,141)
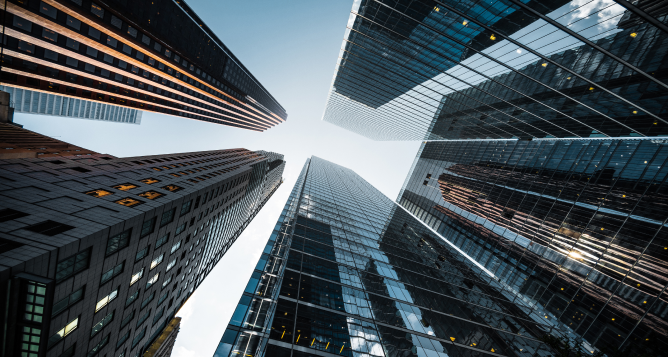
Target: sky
(291,47)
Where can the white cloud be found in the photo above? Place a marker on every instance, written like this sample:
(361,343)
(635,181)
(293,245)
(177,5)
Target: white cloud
(606,12)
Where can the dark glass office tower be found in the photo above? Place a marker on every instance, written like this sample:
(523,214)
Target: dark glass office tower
(577,227)
(430,70)
(98,253)
(348,272)
(148,55)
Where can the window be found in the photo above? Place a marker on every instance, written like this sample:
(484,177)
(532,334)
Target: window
(118,242)
(166,282)
(132,31)
(9,214)
(136,276)
(122,339)
(147,228)
(48,10)
(147,301)
(98,347)
(163,298)
(167,217)
(116,21)
(67,301)
(111,273)
(128,201)
(35,298)
(73,23)
(142,254)
(72,265)
(138,337)
(162,241)
(180,229)
(126,320)
(105,300)
(175,247)
(143,318)
(58,336)
(49,228)
(22,23)
(101,324)
(97,10)
(49,34)
(157,261)
(153,280)
(125,186)
(171,265)
(158,315)
(131,298)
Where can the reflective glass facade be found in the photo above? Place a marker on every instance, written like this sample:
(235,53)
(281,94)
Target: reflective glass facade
(430,70)
(140,54)
(348,272)
(32,102)
(577,227)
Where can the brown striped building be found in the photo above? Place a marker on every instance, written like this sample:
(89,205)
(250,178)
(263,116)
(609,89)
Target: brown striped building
(141,54)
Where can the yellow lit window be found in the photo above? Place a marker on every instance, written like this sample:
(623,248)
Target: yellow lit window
(175,175)
(157,169)
(183,173)
(166,167)
(151,195)
(492,37)
(99,193)
(128,202)
(149,181)
(465,23)
(125,187)
(172,188)
(436,9)
(633,34)
(544,64)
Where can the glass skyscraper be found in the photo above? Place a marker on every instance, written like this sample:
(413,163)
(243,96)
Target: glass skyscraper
(33,102)
(348,272)
(141,54)
(432,70)
(575,226)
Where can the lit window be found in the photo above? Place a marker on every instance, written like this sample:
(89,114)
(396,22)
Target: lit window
(151,195)
(492,37)
(175,247)
(172,188)
(106,300)
(136,276)
(633,34)
(166,282)
(128,202)
(58,336)
(149,181)
(99,193)
(153,280)
(157,261)
(125,187)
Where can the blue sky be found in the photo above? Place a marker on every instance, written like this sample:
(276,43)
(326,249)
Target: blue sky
(292,48)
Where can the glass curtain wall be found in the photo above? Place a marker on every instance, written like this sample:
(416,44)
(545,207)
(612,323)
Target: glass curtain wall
(577,227)
(348,272)
(437,69)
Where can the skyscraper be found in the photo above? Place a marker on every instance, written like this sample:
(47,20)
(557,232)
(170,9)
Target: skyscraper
(576,226)
(433,70)
(97,253)
(144,55)
(348,272)
(33,102)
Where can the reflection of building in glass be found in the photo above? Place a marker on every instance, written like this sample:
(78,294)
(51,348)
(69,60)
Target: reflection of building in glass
(578,227)
(98,253)
(136,55)
(349,272)
(493,109)
(33,102)
(416,70)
